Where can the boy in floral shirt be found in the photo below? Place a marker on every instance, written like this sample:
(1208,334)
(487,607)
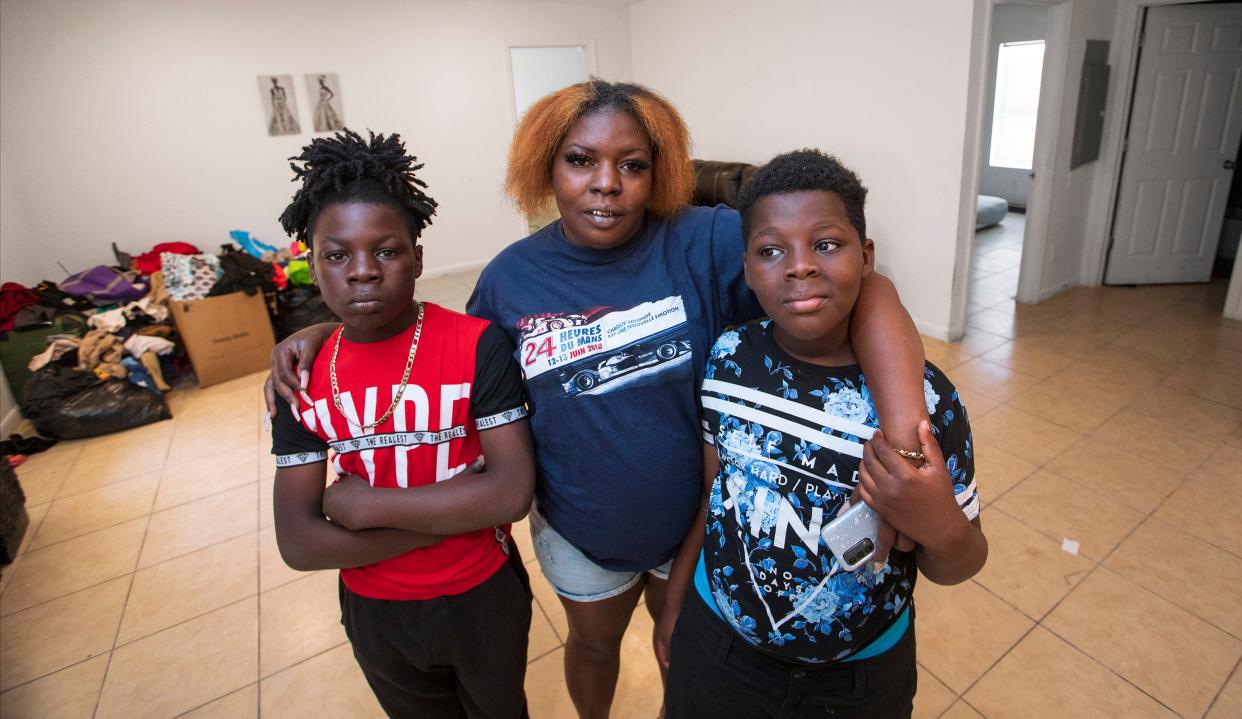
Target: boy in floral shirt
(774,625)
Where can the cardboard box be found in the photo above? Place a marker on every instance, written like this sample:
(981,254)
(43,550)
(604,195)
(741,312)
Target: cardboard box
(227,337)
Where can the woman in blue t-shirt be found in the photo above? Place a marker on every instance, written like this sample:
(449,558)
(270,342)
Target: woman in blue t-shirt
(613,309)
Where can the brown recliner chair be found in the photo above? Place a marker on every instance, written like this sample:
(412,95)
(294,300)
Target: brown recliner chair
(718,183)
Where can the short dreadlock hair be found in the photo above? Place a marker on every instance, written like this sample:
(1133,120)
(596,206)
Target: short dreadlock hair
(545,124)
(805,170)
(346,168)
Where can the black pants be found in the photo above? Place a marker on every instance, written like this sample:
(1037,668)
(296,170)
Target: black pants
(715,673)
(460,656)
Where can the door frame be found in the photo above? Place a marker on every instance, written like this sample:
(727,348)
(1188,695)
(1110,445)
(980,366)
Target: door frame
(1130,15)
(1043,162)
(592,60)
(1044,159)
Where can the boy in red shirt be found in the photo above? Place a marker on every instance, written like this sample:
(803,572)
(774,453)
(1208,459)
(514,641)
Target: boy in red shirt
(409,400)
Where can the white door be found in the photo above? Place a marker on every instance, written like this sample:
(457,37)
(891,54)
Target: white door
(1185,126)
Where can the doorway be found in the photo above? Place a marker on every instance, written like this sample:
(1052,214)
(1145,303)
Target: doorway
(1178,184)
(534,71)
(1007,156)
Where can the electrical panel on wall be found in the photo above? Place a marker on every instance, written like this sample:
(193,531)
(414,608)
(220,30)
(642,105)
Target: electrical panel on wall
(1092,94)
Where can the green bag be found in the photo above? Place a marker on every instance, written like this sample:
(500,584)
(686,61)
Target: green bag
(298,272)
(18,347)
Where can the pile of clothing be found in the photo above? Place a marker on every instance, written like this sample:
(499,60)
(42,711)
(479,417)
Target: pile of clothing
(59,343)
(91,355)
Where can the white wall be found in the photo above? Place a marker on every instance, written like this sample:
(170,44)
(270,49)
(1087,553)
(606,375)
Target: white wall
(140,122)
(17,246)
(1011,22)
(882,85)
(1073,193)
(15,261)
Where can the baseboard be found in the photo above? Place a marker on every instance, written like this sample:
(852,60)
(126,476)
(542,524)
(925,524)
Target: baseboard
(1050,292)
(935,331)
(434,272)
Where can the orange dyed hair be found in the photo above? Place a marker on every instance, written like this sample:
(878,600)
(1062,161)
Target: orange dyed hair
(539,136)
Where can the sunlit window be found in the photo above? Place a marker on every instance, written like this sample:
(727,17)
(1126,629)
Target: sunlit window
(1018,70)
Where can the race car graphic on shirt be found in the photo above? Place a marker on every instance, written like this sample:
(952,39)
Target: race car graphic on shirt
(606,348)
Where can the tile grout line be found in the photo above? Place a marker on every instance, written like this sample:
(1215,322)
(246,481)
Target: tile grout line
(1220,691)
(999,659)
(182,622)
(965,701)
(547,618)
(115,482)
(191,710)
(920,667)
(975,276)
(548,653)
(298,663)
(120,621)
(1173,602)
(1095,564)
(123,521)
(1107,668)
(1100,565)
(45,676)
(136,571)
(258,580)
(1040,623)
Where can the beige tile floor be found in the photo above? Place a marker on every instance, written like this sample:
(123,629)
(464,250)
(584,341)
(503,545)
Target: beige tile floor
(149,584)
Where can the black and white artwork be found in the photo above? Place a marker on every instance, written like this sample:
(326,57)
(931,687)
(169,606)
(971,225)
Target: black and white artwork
(279,104)
(325,92)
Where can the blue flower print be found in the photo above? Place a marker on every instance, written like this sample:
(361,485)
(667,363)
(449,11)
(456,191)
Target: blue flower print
(956,471)
(738,445)
(772,443)
(847,403)
(726,345)
(803,450)
(732,611)
(820,602)
(715,500)
(930,398)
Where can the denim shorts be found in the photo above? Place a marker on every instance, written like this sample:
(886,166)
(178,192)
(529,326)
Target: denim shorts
(572,574)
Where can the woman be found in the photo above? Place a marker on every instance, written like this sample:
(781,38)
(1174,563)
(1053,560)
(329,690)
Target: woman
(282,122)
(326,119)
(614,309)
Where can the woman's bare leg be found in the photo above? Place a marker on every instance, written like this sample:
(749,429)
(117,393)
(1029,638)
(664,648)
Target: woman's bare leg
(593,650)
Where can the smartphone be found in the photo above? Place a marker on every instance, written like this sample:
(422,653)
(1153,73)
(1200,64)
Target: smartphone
(852,536)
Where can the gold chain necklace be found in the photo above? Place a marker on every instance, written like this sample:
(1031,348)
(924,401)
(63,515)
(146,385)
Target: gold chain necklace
(405,377)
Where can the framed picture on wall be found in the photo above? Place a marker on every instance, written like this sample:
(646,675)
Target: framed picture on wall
(325,91)
(279,104)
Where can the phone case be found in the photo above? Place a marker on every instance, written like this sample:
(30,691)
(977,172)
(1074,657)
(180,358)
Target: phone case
(852,536)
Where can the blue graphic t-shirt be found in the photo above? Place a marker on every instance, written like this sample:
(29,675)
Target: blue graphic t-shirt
(789,436)
(613,344)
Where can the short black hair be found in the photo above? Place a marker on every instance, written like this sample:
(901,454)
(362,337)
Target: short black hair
(346,168)
(805,170)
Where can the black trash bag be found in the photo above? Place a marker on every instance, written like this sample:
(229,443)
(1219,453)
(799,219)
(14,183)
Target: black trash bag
(299,307)
(17,444)
(13,517)
(51,295)
(242,272)
(68,403)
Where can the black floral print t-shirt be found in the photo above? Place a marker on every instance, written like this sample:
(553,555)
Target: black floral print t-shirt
(789,436)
